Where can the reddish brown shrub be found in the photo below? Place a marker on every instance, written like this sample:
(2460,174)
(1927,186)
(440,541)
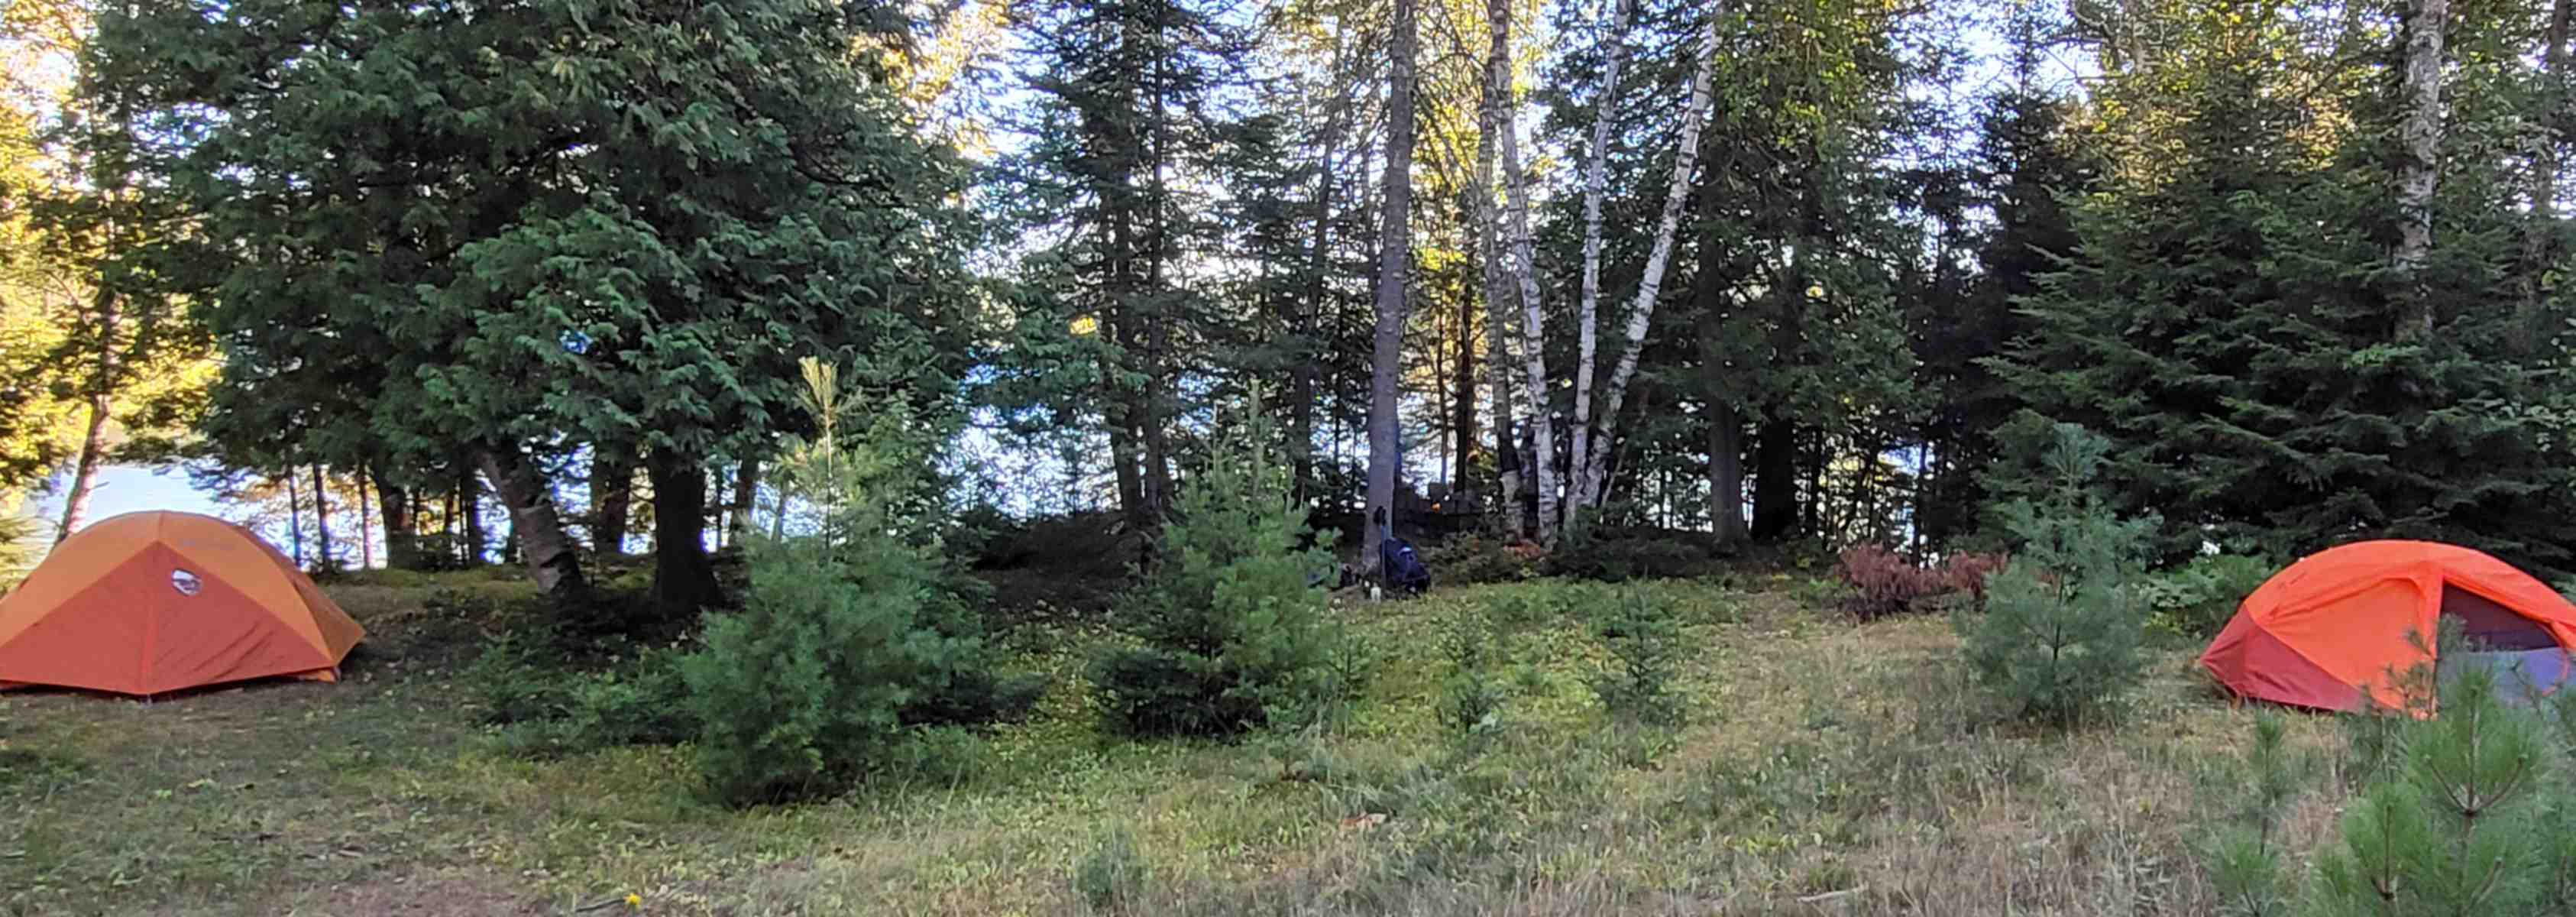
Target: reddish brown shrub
(1967,572)
(1883,582)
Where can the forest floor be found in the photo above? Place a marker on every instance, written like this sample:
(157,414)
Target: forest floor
(1827,768)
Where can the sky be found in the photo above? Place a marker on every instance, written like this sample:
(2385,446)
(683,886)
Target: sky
(125,489)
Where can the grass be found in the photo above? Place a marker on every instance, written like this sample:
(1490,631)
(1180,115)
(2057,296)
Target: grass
(1824,767)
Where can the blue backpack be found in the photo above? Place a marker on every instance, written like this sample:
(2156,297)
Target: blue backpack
(1401,567)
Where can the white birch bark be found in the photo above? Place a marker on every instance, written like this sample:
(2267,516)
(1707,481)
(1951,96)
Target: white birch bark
(2421,138)
(1542,463)
(1588,316)
(1594,465)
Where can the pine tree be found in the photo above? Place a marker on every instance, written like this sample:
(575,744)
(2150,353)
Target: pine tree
(2059,636)
(1231,630)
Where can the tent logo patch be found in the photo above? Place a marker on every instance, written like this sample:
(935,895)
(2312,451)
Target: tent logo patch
(185,582)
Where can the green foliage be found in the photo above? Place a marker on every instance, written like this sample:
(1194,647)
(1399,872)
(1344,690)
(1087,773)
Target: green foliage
(2196,600)
(2245,862)
(1596,552)
(2059,637)
(1231,636)
(1479,654)
(2469,816)
(1482,557)
(19,548)
(805,691)
(1115,873)
(1646,646)
(2229,316)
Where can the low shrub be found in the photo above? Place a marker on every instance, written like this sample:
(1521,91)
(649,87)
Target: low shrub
(1484,557)
(1879,582)
(2195,601)
(1619,557)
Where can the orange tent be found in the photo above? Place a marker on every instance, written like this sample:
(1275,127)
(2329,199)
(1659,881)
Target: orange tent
(150,602)
(2335,626)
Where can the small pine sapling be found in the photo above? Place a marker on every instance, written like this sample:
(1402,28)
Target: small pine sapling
(2245,863)
(1232,636)
(2060,634)
(2457,822)
(1472,698)
(1645,645)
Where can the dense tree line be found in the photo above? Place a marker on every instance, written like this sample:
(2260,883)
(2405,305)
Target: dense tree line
(1769,272)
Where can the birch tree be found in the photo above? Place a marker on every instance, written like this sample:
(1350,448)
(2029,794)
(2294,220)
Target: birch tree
(1593,464)
(2421,139)
(1596,166)
(1542,462)
(2552,120)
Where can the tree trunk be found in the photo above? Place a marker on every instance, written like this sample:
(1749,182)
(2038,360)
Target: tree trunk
(1395,250)
(1542,462)
(746,486)
(2421,140)
(553,561)
(294,519)
(1595,169)
(1490,254)
(395,512)
(1462,394)
(1595,464)
(93,451)
(1775,480)
(323,558)
(2542,222)
(1725,472)
(469,509)
(612,502)
(683,580)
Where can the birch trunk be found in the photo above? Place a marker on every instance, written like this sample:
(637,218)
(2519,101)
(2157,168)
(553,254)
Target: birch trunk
(1588,318)
(1533,332)
(548,552)
(2543,219)
(2421,139)
(1395,243)
(1595,464)
(294,519)
(1489,230)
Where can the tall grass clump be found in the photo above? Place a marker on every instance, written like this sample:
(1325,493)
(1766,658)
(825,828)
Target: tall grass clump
(1229,635)
(2059,637)
(844,628)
